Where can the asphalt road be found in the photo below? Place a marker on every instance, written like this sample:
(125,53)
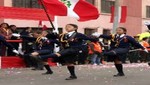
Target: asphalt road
(136,74)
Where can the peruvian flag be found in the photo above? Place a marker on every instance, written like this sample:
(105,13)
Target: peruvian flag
(79,9)
(122,14)
(41,24)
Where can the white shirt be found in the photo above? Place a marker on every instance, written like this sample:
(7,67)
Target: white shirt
(122,35)
(70,33)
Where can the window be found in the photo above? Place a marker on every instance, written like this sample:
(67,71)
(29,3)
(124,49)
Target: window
(106,6)
(26,3)
(106,31)
(147,11)
(20,29)
(90,1)
(60,30)
(88,31)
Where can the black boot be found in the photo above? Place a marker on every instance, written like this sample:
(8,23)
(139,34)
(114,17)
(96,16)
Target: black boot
(72,73)
(49,71)
(71,78)
(119,68)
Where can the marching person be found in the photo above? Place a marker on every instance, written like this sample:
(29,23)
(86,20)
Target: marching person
(44,45)
(27,46)
(73,44)
(47,47)
(120,44)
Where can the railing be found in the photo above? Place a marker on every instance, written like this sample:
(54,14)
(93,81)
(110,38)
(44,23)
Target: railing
(15,41)
(14,61)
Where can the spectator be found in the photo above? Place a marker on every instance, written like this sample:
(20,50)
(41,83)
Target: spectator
(95,51)
(6,33)
(145,44)
(13,28)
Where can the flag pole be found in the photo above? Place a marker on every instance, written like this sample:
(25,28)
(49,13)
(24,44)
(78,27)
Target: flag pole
(116,16)
(49,18)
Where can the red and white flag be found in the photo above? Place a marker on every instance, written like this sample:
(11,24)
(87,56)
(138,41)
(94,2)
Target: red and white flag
(79,9)
(41,24)
(122,14)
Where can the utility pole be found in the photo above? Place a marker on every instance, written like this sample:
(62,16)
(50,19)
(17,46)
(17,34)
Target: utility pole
(116,16)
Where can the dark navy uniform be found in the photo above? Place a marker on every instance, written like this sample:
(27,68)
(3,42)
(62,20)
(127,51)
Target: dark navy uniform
(120,45)
(72,46)
(44,47)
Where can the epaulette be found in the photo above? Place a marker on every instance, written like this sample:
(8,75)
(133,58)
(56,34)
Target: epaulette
(113,36)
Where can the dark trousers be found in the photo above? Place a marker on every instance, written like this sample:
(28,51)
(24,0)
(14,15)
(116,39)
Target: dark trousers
(119,53)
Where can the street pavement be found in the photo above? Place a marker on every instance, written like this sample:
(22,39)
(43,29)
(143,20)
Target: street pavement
(136,74)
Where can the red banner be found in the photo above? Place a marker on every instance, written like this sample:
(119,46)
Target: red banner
(23,13)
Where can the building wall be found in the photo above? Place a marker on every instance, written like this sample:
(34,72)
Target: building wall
(144,19)
(134,14)
(62,21)
(1,2)
(8,3)
(134,24)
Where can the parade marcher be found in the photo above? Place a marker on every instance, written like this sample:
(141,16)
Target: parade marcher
(47,47)
(120,44)
(44,46)
(27,46)
(73,44)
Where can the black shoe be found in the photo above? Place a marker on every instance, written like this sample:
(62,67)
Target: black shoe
(119,75)
(48,72)
(71,78)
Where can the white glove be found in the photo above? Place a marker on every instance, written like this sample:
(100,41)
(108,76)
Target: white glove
(15,51)
(147,23)
(44,38)
(145,50)
(16,35)
(96,34)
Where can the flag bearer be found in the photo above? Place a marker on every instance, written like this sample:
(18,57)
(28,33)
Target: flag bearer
(73,44)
